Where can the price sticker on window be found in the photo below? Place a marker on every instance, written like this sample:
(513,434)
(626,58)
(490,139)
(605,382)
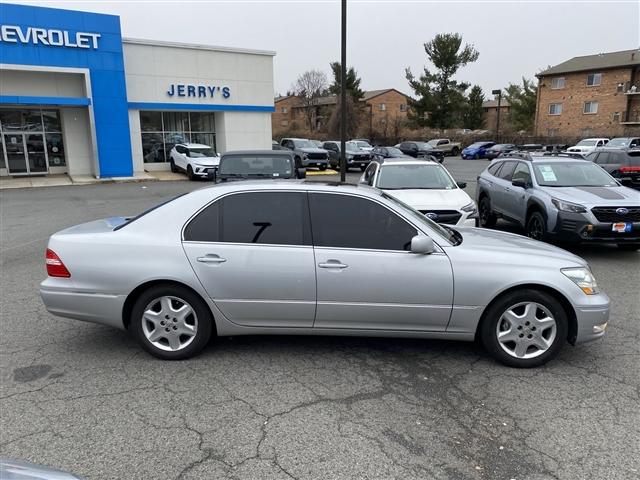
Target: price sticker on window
(547,173)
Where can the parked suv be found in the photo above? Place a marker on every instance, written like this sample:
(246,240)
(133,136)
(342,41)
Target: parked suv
(355,156)
(622,164)
(559,197)
(306,153)
(259,164)
(588,145)
(197,160)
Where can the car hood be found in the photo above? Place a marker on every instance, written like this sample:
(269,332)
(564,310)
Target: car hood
(595,195)
(206,161)
(432,199)
(498,243)
(312,150)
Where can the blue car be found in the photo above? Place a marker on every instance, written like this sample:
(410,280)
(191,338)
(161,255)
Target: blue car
(477,150)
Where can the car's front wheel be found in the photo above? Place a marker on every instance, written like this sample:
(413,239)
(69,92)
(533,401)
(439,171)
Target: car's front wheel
(174,168)
(363,168)
(487,218)
(323,168)
(524,328)
(536,226)
(171,322)
(190,173)
(455,151)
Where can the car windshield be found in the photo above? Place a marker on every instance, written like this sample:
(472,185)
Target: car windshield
(351,146)
(277,166)
(303,144)
(619,142)
(451,235)
(586,143)
(201,152)
(427,176)
(362,144)
(395,152)
(574,174)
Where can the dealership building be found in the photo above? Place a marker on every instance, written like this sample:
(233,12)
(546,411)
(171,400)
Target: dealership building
(77,98)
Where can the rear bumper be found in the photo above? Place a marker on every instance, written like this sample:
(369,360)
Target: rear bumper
(89,307)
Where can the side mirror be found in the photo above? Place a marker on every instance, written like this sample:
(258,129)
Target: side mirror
(462,184)
(519,183)
(422,244)
(302,173)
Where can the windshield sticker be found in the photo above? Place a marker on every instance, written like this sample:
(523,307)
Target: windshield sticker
(547,173)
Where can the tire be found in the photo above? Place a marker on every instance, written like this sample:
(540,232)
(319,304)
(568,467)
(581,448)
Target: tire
(190,173)
(173,166)
(455,151)
(533,326)
(323,168)
(476,156)
(629,247)
(536,226)
(363,168)
(486,217)
(165,300)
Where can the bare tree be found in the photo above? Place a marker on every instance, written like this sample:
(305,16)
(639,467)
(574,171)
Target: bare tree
(308,87)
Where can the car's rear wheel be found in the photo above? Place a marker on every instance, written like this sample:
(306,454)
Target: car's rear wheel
(524,328)
(536,226)
(190,173)
(174,169)
(171,322)
(486,217)
(629,247)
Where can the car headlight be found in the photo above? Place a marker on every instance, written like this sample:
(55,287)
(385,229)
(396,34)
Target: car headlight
(583,278)
(471,208)
(567,206)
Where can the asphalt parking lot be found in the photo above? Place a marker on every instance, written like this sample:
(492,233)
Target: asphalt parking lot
(87,399)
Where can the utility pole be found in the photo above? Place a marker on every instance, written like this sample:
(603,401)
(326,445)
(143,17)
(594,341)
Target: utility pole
(499,93)
(343,95)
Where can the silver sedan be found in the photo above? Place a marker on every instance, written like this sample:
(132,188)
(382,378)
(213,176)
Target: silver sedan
(271,257)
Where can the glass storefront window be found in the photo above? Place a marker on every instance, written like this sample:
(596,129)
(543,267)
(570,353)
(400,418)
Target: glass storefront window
(162,130)
(46,127)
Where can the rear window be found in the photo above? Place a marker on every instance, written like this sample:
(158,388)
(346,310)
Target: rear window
(130,220)
(276,166)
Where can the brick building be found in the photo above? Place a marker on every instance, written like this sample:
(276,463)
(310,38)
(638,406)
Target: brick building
(382,109)
(490,115)
(593,95)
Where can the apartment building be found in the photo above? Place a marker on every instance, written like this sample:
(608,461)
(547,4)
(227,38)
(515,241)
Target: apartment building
(490,115)
(380,108)
(593,95)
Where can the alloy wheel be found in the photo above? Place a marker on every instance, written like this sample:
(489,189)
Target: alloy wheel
(526,330)
(169,323)
(535,229)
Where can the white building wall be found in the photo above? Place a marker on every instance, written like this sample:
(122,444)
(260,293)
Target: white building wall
(136,141)
(76,136)
(243,131)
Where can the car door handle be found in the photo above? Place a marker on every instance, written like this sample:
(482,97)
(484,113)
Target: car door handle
(211,258)
(333,264)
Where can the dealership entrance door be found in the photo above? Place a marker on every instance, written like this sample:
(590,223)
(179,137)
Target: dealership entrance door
(31,142)
(26,154)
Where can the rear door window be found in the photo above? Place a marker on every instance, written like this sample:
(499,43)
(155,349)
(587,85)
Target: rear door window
(275,218)
(493,169)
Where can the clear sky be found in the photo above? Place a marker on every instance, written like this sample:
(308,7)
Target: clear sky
(515,38)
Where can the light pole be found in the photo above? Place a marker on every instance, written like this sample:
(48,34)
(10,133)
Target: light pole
(499,93)
(343,95)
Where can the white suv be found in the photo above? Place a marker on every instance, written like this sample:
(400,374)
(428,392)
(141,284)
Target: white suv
(195,159)
(426,186)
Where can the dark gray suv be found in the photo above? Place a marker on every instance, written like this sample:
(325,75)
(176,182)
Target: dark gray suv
(561,198)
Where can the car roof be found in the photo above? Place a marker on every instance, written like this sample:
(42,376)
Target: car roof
(527,156)
(275,153)
(291,184)
(405,161)
(594,138)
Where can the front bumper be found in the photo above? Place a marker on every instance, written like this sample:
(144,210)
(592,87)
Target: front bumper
(313,162)
(581,227)
(592,319)
(204,171)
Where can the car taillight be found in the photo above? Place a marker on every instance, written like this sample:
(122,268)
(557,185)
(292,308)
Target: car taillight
(629,169)
(55,267)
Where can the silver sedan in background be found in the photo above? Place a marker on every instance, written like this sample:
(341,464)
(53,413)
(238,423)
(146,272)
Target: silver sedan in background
(282,257)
